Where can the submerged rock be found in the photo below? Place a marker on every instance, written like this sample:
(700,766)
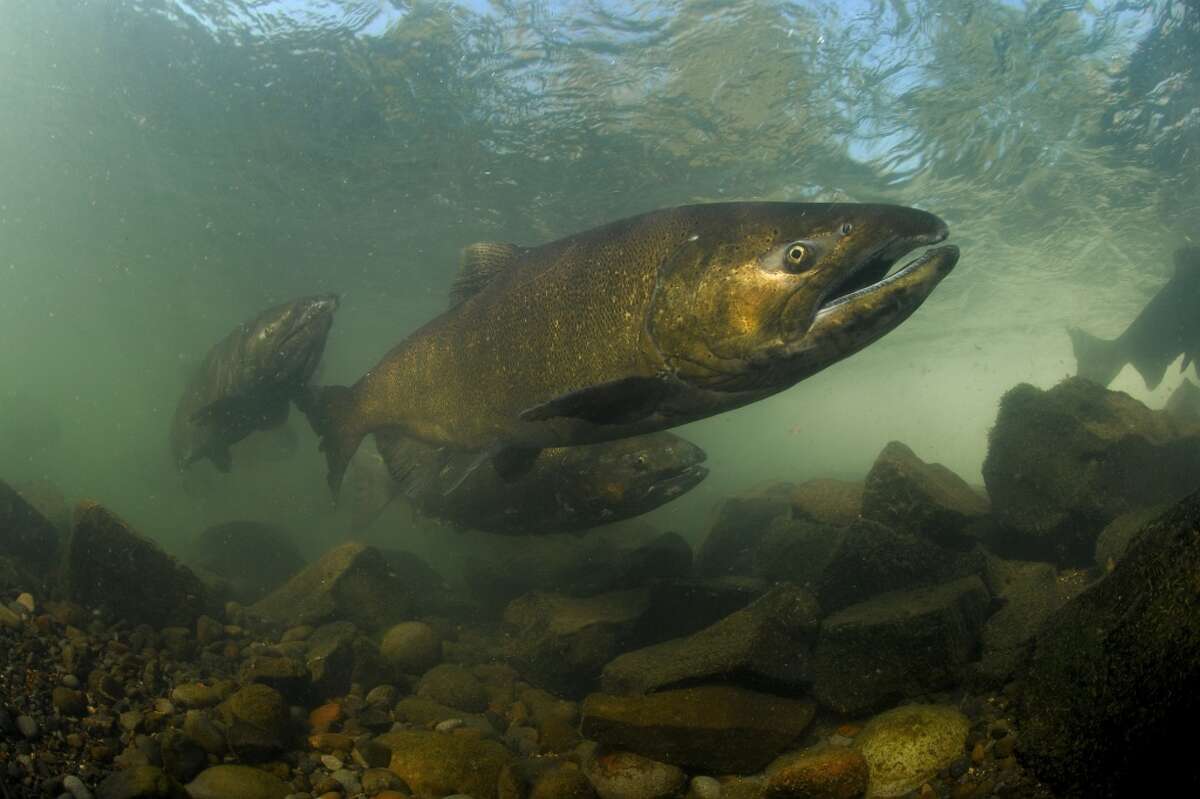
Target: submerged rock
(251,557)
(27,539)
(351,582)
(832,772)
(1113,676)
(563,642)
(411,647)
(833,502)
(1116,537)
(766,643)
(244,782)
(141,782)
(679,608)
(906,746)
(109,565)
(625,775)
(719,728)
(1064,463)
(1184,403)
(49,501)
(441,764)
(898,645)
(741,523)
(1029,593)
(926,499)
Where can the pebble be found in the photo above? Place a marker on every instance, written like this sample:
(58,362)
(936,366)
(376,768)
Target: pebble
(449,725)
(27,726)
(70,681)
(26,601)
(76,788)
(331,762)
(705,788)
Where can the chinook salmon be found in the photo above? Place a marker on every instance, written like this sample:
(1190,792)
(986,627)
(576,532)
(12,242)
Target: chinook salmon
(640,325)
(249,378)
(1169,326)
(568,489)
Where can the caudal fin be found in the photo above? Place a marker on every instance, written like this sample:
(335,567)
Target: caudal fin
(1096,359)
(330,412)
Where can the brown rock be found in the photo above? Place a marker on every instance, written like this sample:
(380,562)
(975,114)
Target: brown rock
(721,728)
(440,764)
(830,773)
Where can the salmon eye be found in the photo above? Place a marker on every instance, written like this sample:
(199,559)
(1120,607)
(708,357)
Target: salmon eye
(795,257)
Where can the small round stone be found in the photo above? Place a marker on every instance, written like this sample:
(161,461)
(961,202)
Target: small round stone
(27,727)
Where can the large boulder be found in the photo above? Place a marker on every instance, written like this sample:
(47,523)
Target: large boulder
(1063,463)
(351,582)
(252,558)
(741,523)
(842,566)
(1118,534)
(926,499)
(679,608)
(1115,675)
(48,500)
(1028,593)
(110,566)
(716,728)
(825,501)
(767,643)
(898,645)
(909,745)
(28,540)
(562,642)
(1184,403)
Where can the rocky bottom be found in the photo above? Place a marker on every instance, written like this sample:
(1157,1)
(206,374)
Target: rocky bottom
(232,708)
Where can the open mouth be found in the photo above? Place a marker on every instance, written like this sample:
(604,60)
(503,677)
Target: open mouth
(875,271)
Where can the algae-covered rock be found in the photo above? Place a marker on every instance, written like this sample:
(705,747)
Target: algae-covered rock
(681,607)
(741,522)
(252,558)
(1115,674)
(563,642)
(1029,593)
(834,502)
(767,642)
(351,582)
(109,565)
(625,775)
(256,719)
(906,746)
(244,782)
(440,764)
(832,772)
(1184,403)
(1118,534)
(720,728)
(1063,463)
(926,499)
(454,686)
(898,645)
(411,647)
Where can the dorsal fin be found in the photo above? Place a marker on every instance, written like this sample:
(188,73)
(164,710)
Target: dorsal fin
(481,262)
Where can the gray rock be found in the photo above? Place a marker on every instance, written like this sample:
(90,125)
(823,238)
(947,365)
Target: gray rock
(563,642)
(351,582)
(110,566)
(898,645)
(925,499)
(1064,463)
(1113,676)
(731,542)
(1029,593)
(679,608)
(767,643)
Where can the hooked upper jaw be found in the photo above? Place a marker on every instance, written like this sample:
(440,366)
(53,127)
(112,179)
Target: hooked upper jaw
(874,266)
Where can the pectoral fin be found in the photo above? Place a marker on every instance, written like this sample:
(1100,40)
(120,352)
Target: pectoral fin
(624,401)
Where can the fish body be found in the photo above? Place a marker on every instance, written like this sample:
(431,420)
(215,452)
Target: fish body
(248,379)
(1169,326)
(634,327)
(568,489)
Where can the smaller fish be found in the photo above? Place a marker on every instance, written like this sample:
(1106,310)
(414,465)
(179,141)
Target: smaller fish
(568,489)
(249,378)
(1169,326)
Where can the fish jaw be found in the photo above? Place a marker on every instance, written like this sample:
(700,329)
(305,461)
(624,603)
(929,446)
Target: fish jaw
(851,322)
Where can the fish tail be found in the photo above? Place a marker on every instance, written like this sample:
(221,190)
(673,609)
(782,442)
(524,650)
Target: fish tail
(1096,359)
(330,412)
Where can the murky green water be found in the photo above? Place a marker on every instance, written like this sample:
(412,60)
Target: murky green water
(167,169)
